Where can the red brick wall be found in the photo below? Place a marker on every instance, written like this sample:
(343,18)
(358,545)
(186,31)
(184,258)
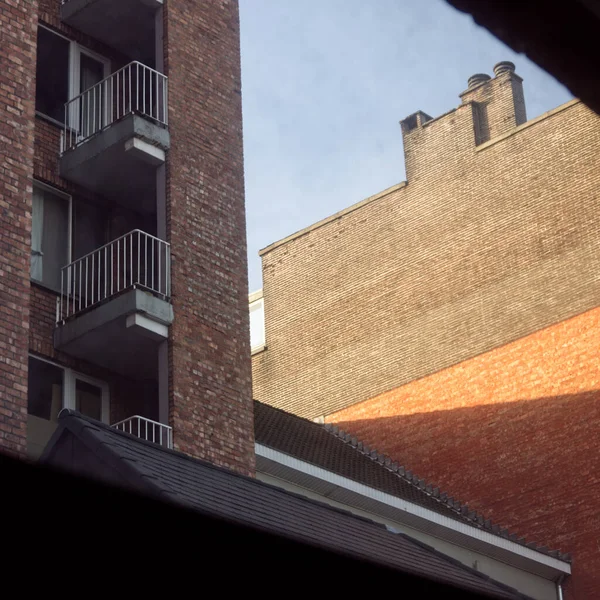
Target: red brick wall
(514,432)
(18,27)
(210,381)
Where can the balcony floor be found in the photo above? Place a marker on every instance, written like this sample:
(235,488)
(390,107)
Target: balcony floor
(121,334)
(105,165)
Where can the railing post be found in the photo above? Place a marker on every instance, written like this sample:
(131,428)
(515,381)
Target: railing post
(131,259)
(69,300)
(80,269)
(130,77)
(168,271)
(160,248)
(62,289)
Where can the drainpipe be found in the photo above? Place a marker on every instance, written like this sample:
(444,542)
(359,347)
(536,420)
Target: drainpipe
(559,592)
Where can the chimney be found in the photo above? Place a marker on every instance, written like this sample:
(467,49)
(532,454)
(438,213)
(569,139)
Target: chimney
(498,103)
(476,79)
(414,121)
(412,137)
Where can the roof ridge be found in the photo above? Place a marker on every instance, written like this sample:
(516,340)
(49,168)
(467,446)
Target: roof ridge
(73,417)
(203,492)
(71,413)
(473,517)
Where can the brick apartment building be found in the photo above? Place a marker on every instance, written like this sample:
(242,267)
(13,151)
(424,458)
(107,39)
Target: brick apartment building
(123,281)
(452,322)
(123,298)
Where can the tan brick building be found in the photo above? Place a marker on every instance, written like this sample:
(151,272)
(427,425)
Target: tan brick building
(449,321)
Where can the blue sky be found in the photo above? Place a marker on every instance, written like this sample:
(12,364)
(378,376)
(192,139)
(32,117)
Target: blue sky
(324,84)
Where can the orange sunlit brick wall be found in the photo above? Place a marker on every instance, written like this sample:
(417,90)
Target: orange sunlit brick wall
(514,432)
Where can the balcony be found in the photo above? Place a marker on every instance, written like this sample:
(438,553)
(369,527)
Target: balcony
(115,136)
(148,430)
(126,25)
(114,307)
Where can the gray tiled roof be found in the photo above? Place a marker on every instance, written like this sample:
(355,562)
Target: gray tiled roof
(222,493)
(332,449)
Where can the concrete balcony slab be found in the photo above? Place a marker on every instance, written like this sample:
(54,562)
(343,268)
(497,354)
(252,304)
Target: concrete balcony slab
(121,334)
(120,161)
(126,25)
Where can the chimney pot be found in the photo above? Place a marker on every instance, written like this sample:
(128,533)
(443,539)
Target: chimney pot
(504,67)
(477,79)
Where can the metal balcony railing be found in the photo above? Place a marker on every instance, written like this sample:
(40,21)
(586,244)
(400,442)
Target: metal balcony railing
(148,430)
(134,89)
(135,260)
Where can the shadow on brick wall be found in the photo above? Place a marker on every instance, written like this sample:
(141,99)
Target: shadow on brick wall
(532,466)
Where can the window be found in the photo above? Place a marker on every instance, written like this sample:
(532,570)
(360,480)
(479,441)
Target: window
(46,384)
(90,225)
(88,399)
(52,388)
(257,321)
(52,74)
(50,235)
(64,70)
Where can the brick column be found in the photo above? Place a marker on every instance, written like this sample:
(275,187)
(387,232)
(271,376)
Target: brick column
(18,39)
(210,397)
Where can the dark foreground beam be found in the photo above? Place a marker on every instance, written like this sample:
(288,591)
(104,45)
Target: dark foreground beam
(561,37)
(60,533)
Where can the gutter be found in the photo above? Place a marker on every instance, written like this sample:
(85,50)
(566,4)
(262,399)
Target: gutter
(435,524)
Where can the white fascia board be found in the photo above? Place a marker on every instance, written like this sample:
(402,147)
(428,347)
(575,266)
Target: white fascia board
(254,296)
(147,327)
(145,151)
(441,521)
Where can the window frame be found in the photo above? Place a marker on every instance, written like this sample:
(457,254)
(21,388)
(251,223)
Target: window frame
(69,199)
(257,304)
(75,51)
(70,377)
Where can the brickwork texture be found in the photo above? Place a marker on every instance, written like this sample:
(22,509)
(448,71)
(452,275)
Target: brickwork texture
(18,31)
(211,407)
(451,321)
(126,395)
(513,432)
(485,243)
(210,386)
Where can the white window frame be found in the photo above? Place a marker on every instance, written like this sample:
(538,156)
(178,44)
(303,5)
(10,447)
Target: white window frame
(70,378)
(75,52)
(69,199)
(69,398)
(257,303)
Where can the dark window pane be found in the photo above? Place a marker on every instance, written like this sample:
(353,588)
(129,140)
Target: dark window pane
(49,237)
(91,72)
(89,228)
(88,399)
(52,74)
(45,390)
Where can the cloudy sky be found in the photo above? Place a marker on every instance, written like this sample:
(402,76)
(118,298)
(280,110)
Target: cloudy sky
(325,83)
